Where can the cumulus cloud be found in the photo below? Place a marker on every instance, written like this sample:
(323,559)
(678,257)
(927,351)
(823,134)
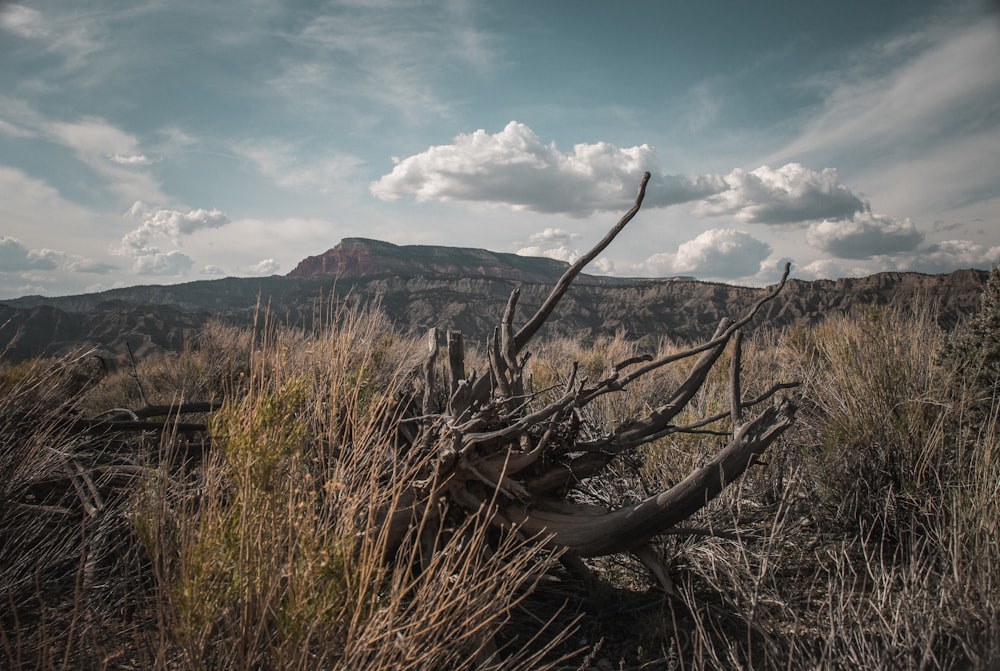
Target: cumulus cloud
(790,194)
(14,256)
(213,270)
(603,266)
(864,236)
(162,263)
(829,269)
(169,223)
(164,223)
(552,236)
(515,168)
(552,243)
(263,267)
(560,253)
(721,252)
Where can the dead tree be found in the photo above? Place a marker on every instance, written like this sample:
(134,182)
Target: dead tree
(492,450)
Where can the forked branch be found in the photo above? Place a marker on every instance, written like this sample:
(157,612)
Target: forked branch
(516,457)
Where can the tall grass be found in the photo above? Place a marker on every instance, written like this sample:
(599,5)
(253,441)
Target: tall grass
(870,538)
(278,555)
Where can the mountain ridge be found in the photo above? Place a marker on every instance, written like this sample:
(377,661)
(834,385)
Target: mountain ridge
(452,288)
(364,257)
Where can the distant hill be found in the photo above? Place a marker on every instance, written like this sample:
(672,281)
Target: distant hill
(452,288)
(361,257)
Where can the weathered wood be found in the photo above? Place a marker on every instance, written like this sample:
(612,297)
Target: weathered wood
(528,331)
(456,358)
(501,454)
(734,382)
(432,353)
(629,526)
(496,453)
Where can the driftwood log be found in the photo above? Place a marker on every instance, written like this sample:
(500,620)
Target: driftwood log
(492,450)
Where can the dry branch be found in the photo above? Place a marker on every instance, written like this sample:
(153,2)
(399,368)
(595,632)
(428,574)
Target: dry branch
(497,452)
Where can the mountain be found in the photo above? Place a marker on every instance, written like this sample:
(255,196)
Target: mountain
(452,288)
(361,257)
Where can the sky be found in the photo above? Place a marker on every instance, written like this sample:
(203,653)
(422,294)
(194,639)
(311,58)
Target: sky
(148,142)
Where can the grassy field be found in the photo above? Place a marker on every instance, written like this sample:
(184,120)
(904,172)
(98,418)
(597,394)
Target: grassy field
(870,538)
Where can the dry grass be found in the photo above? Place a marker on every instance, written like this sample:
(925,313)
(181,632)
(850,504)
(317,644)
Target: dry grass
(870,539)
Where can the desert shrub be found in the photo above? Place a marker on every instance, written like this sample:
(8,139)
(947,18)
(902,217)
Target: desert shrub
(876,512)
(203,370)
(873,410)
(970,357)
(276,555)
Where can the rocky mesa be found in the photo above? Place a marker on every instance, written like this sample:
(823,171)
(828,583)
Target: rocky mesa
(361,257)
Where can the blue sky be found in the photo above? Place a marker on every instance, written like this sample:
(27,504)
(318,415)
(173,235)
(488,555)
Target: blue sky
(159,142)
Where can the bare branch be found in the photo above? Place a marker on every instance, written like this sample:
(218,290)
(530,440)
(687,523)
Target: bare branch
(562,286)
(456,358)
(432,347)
(628,526)
(734,381)
(720,337)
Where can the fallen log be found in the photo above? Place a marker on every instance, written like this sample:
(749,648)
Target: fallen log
(494,450)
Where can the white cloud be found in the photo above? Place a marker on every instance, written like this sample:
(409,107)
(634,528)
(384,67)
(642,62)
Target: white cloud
(66,33)
(279,161)
(553,236)
(14,256)
(14,130)
(263,267)
(23,21)
(560,253)
(829,269)
(514,168)
(30,204)
(129,159)
(603,266)
(110,152)
(93,137)
(81,265)
(170,223)
(213,270)
(367,58)
(946,256)
(49,259)
(790,194)
(721,252)
(158,263)
(911,88)
(864,236)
